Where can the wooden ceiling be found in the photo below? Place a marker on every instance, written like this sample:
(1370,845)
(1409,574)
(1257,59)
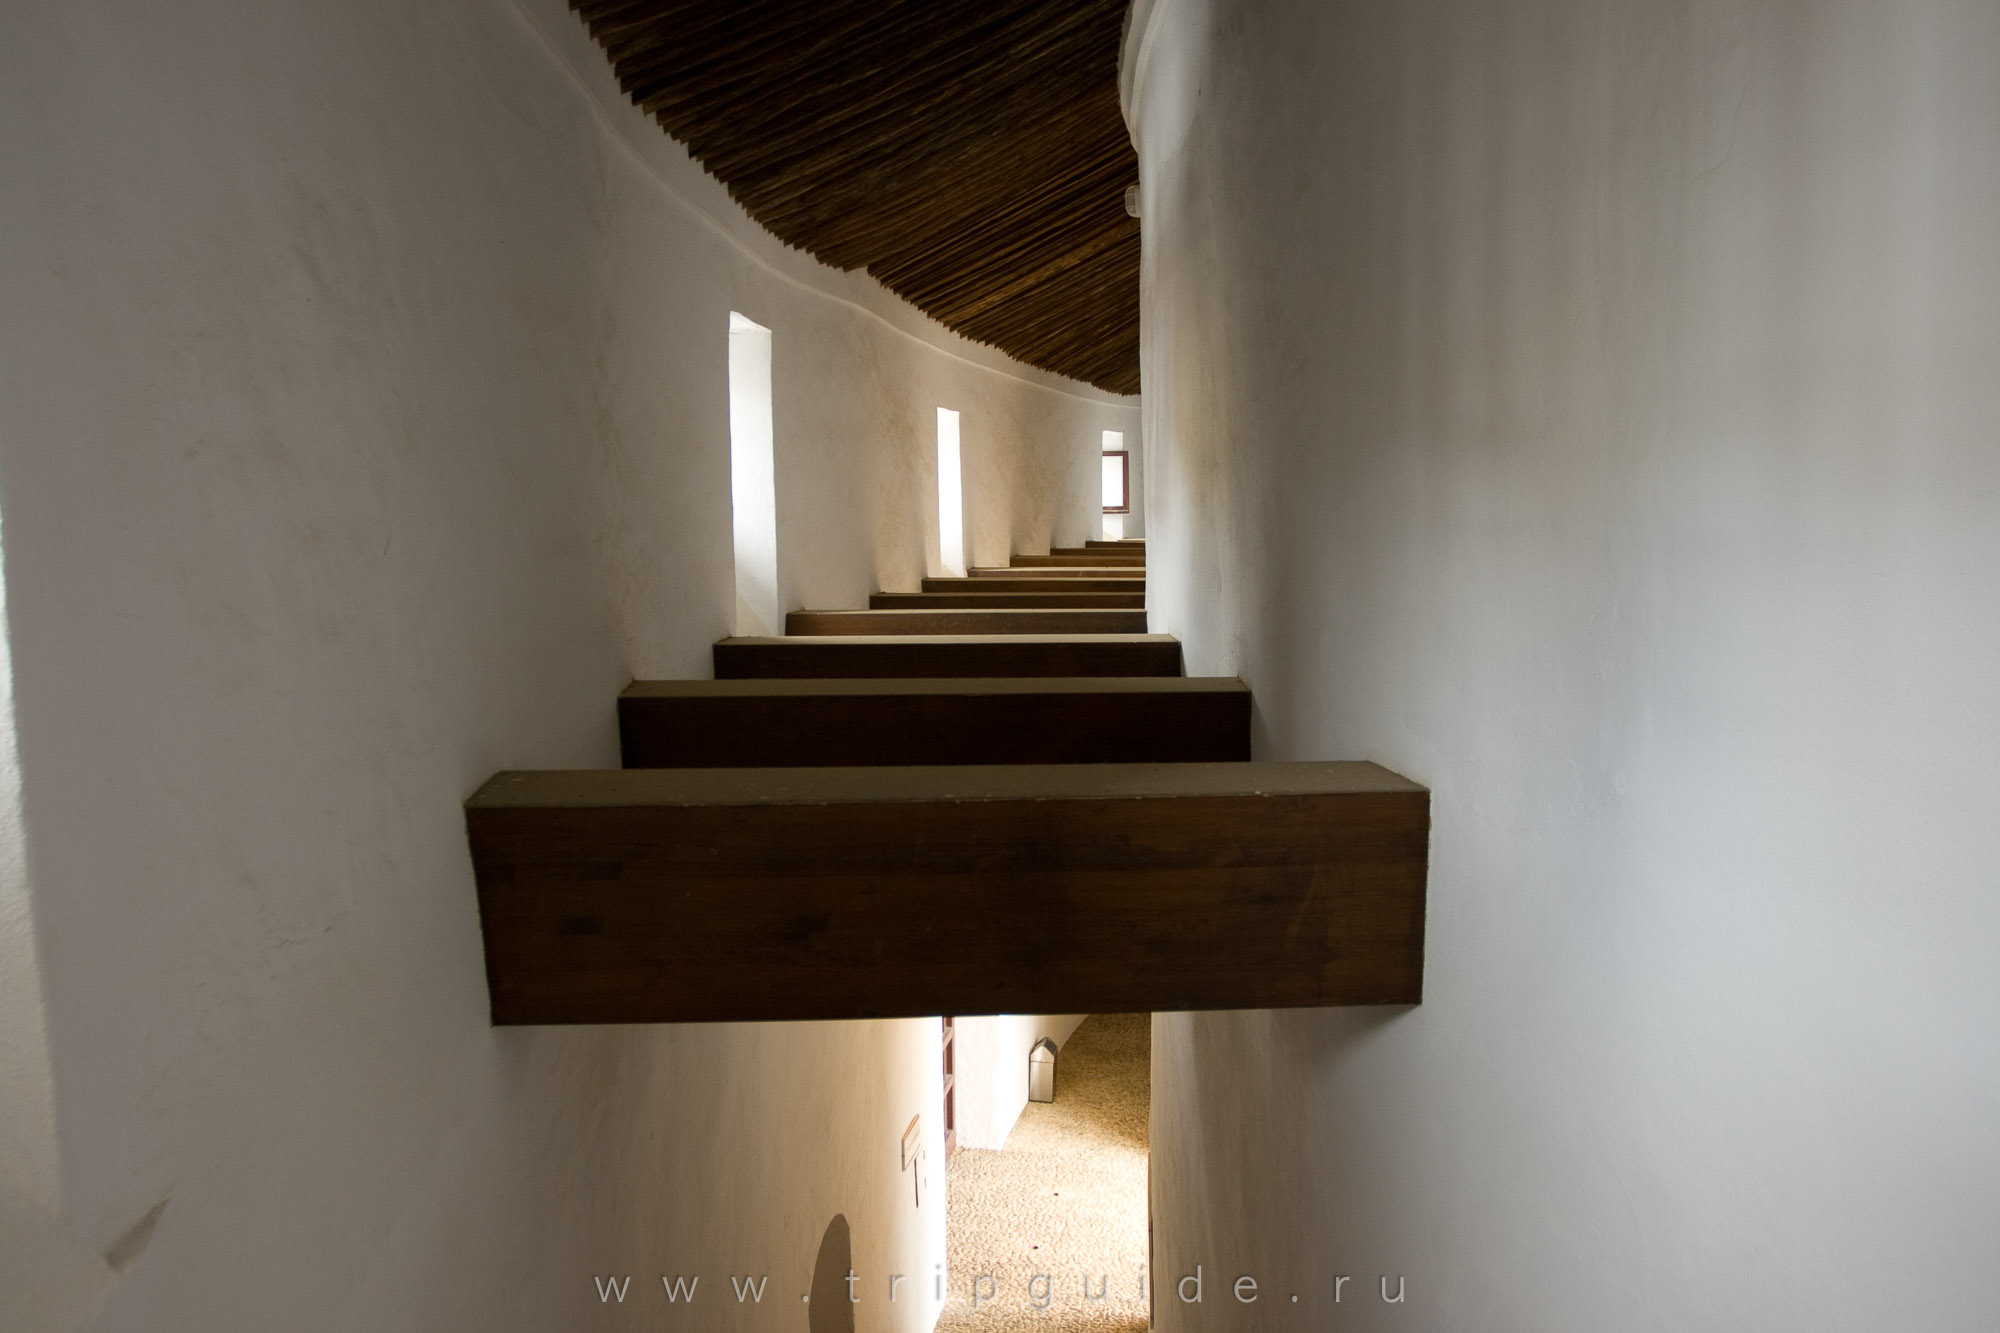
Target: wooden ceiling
(969,154)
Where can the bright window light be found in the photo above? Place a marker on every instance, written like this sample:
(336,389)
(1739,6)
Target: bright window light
(1117,474)
(753,488)
(1114,482)
(951,496)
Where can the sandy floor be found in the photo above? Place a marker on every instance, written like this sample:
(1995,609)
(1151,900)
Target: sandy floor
(1066,1198)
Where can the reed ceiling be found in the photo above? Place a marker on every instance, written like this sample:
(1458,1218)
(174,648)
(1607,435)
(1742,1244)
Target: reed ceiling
(969,154)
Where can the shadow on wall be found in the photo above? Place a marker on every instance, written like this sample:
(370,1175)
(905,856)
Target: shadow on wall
(1315,1039)
(830,1310)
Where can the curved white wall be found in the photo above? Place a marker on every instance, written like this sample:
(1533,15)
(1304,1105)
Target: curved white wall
(991,1085)
(363,429)
(1588,408)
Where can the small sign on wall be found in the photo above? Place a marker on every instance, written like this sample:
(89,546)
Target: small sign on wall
(915,1160)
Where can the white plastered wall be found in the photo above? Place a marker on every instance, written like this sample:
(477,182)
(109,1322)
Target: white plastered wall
(1589,409)
(49,1277)
(991,1071)
(1135,521)
(363,429)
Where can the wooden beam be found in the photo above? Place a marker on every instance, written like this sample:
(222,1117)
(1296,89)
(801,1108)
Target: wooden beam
(891,601)
(1060,572)
(986,620)
(780,723)
(1016,581)
(852,656)
(1116,544)
(708,895)
(1085,560)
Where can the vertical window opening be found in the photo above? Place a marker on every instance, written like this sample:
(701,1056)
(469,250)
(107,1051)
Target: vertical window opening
(1117,484)
(951,496)
(753,490)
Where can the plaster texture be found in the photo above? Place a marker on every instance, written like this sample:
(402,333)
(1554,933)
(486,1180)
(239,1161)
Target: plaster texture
(1587,408)
(1132,523)
(991,1071)
(363,430)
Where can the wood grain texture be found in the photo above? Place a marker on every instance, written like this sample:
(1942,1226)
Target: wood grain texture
(1013,580)
(964,620)
(1083,559)
(891,601)
(804,723)
(779,894)
(970,154)
(1059,571)
(948,656)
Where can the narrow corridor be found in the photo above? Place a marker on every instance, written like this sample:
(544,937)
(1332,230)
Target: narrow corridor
(1065,1200)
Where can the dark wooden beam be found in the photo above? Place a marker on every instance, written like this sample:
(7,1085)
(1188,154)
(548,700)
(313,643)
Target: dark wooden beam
(1059,572)
(703,895)
(1084,559)
(1014,580)
(797,723)
(882,656)
(960,620)
(892,601)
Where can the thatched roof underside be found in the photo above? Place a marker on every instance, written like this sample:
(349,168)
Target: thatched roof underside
(969,154)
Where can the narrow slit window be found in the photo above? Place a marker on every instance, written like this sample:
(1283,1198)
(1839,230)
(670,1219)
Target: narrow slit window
(753,489)
(1117,474)
(951,495)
